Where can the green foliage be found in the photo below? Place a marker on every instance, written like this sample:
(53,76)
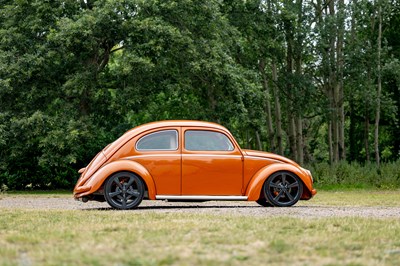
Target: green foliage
(356,175)
(38,152)
(75,75)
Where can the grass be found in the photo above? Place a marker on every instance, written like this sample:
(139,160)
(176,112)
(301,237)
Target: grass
(128,238)
(40,192)
(327,196)
(356,197)
(95,237)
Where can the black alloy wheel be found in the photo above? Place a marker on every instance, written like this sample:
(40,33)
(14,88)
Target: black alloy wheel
(124,190)
(283,189)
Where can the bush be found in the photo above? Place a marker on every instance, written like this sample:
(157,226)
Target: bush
(44,152)
(355,175)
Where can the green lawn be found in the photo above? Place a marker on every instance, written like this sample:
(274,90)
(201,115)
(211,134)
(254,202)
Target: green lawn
(95,237)
(129,238)
(356,197)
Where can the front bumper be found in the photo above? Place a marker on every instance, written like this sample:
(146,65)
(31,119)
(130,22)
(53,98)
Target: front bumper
(313,192)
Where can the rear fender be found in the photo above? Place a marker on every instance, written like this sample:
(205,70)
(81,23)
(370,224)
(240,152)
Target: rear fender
(98,178)
(256,183)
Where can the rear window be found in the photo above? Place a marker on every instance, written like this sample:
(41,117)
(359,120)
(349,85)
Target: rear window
(165,140)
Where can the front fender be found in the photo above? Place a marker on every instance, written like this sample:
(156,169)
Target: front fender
(256,183)
(98,178)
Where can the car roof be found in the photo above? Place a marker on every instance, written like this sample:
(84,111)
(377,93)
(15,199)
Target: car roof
(176,123)
(159,124)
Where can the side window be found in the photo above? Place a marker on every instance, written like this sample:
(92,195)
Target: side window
(202,140)
(166,140)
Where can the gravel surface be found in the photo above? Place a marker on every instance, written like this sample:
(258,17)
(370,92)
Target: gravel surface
(302,209)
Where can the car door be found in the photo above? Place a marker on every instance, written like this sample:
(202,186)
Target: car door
(159,151)
(212,164)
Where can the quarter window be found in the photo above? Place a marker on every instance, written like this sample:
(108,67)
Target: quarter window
(166,140)
(203,140)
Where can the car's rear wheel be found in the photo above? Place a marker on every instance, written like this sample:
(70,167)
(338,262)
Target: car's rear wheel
(283,189)
(124,190)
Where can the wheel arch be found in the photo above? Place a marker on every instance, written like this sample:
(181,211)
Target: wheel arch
(96,181)
(254,189)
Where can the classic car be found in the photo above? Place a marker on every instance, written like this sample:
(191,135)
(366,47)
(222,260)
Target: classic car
(189,161)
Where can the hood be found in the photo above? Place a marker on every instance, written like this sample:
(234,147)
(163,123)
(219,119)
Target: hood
(269,155)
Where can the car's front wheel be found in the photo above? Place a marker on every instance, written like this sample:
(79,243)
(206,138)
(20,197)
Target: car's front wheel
(124,190)
(283,189)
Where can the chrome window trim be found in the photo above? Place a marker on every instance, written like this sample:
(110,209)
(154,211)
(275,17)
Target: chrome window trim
(182,155)
(211,155)
(157,132)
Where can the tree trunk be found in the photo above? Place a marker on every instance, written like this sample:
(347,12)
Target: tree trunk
(330,142)
(278,114)
(299,140)
(366,132)
(333,85)
(327,9)
(378,96)
(298,58)
(340,66)
(270,130)
(353,151)
(259,144)
(333,126)
(353,154)
(248,145)
(292,135)
(287,24)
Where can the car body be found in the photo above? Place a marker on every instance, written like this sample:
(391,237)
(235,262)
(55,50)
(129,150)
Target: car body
(189,161)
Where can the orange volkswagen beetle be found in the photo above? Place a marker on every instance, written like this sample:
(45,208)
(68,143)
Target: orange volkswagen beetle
(189,161)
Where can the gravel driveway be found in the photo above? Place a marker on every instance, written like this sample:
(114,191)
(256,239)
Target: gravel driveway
(302,209)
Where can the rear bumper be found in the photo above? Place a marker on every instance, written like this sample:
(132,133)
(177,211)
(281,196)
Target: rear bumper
(79,191)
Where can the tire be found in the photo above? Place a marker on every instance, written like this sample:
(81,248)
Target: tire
(264,202)
(124,190)
(283,189)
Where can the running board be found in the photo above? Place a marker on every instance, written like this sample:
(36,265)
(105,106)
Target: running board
(195,197)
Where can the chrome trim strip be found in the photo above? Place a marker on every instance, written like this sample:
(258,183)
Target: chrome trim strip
(202,197)
(210,154)
(152,155)
(262,158)
(181,154)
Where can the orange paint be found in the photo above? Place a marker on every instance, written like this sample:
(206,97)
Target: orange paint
(209,165)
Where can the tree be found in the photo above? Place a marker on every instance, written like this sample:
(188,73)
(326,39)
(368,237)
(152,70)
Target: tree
(314,81)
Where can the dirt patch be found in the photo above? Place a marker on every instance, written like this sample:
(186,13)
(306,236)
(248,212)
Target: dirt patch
(302,209)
